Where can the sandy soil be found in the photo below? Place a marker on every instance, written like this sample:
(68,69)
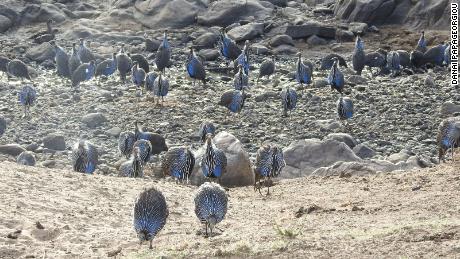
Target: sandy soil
(411,214)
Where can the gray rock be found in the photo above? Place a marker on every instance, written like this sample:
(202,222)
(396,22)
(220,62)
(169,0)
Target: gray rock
(9,13)
(54,142)
(34,13)
(358,27)
(429,81)
(315,40)
(281,40)
(114,132)
(49,163)
(209,54)
(281,3)
(401,156)
(246,32)
(363,151)
(359,168)
(306,30)
(259,49)
(26,158)
(93,120)
(305,156)
(285,50)
(5,23)
(2,126)
(239,170)
(356,80)
(343,137)
(449,108)
(345,36)
(207,40)
(41,52)
(11,149)
(320,83)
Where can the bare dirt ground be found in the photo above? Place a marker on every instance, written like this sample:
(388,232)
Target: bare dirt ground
(410,214)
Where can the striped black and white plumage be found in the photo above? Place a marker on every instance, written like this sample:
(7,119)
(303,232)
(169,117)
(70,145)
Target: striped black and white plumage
(243,58)
(448,136)
(178,162)
(62,61)
(83,73)
(435,55)
(84,157)
(303,72)
(210,205)
(233,100)
(161,87)
(134,167)
(447,55)
(85,53)
(125,143)
(142,150)
(393,62)
(328,61)
(150,214)
(157,141)
(269,164)
(107,67)
(359,57)
(375,59)
(421,44)
(163,55)
(142,62)
(288,100)
(335,78)
(27,97)
(149,81)
(74,60)
(214,161)
(195,67)
(205,129)
(228,47)
(19,69)
(138,76)
(267,68)
(124,63)
(241,79)
(345,108)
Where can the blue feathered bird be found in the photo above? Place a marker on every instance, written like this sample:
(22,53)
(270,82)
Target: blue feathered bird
(421,44)
(178,162)
(150,214)
(83,73)
(160,88)
(214,162)
(62,60)
(125,143)
(241,79)
(163,55)
(195,67)
(84,157)
(233,100)
(228,47)
(448,136)
(206,128)
(393,62)
(288,100)
(107,67)
(210,205)
(269,164)
(85,53)
(27,97)
(142,151)
(359,57)
(138,76)
(303,73)
(243,58)
(335,78)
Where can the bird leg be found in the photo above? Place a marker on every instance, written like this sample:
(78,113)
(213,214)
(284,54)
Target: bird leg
(206,229)
(150,246)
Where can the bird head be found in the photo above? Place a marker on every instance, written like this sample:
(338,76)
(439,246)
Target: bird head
(209,139)
(82,41)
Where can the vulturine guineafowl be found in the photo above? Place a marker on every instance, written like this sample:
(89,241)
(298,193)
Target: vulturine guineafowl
(233,100)
(359,57)
(83,73)
(150,45)
(138,76)
(421,44)
(328,61)
(45,36)
(142,62)
(62,61)
(435,55)
(344,109)
(158,142)
(393,63)
(404,59)
(178,162)
(160,88)
(19,69)
(288,100)
(195,67)
(448,136)
(214,161)
(84,157)
(125,143)
(335,78)
(243,59)
(267,68)
(206,128)
(142,151)
(74,60)
(107,67)
(149,81)
(303,72)
(150,214)
(163,56)
(85,54)
(377,60)
(124,63)
(27,97)
(228,47)
(269,164)
(417,59)
(210,205)
(241,79)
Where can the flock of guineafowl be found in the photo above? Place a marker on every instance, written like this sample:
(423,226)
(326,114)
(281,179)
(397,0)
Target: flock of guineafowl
(151,210)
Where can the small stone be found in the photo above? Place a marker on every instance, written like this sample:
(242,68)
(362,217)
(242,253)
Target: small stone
(429,81)
(282,39)
(114,132)
(49,163)
(54,142)
(315,40)
(93,120)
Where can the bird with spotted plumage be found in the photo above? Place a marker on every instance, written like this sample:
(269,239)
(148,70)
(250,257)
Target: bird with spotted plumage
(448,137)
(267,68)
(243,59)
(178,162)
(83,73)
(160,88)
(142,151)
(303,72)
(142,62)
(140,155)
(27,97)
(138,76)
(107,67)
(393,63)
(377,60)
(84,157)
(269,164)
(228,47)
(61,59)
(435,55)
(214,161)
(149,82)
(359,57)
(206,128)
(241,79)
(421,44)
(233,100)
(210,206)
(163,55)
(195,67)
(157,141)
(335,78)
(17,68)
(288,100)
(74,60)
(126,141)
(150,214)
(345,109)
(85,54)
(328,61)
(124,63)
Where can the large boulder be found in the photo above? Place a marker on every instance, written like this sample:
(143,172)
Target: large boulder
(167,13)
(226,12)
(54,142)
(34,13)
(41,52)
(11,149)
(246,32)
(343,137)
(305,156)
(405,12)
(239,169)
(5,23)
(306,30)
(449,109)
(93,120)
(9,13)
